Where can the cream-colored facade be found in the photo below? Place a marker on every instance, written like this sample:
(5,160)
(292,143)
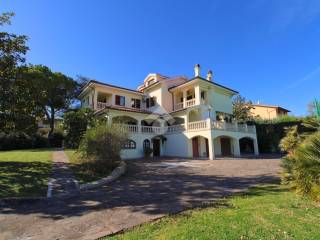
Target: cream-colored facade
(175,116)
(268,111)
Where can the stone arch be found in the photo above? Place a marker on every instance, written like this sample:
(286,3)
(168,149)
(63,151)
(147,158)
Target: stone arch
(246,145)
(225,145)
(124,119)
(200,146)
(176,121)
(194,115)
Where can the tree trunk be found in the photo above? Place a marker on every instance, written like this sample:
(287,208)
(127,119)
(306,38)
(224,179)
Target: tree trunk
(51,121)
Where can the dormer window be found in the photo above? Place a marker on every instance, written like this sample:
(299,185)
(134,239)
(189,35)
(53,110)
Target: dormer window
(151,82)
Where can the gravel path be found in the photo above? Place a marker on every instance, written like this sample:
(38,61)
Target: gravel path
(62,180)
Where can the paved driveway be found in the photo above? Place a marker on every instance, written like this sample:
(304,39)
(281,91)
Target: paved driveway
(150,189)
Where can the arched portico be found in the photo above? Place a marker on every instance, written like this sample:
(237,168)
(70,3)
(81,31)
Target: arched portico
(246,145)
(124,119)
(200,147)
(226,146)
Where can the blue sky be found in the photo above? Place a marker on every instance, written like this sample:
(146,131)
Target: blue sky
(268,50)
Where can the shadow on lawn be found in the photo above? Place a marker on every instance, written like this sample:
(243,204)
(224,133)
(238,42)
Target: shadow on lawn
(23,178)
(151,190)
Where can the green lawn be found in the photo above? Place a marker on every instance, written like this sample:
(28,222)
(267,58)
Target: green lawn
(267,212)
(82,170)
(24,173)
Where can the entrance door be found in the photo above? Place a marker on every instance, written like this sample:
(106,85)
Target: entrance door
(156,147)
(195,147)
(225,147)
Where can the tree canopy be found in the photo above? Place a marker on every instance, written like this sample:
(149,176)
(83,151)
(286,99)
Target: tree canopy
(241,109)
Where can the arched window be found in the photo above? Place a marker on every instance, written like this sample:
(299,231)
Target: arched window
(129,144)
(146,143)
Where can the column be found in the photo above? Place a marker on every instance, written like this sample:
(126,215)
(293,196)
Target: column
(184,98)
(236,147)
(211,148)
(197,93)
(255,146)
(95,99)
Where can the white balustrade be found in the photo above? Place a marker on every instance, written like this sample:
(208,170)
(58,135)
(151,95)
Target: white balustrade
(197,125)
(191,126)
(101,105)
(191,102)
(176,128)
(178,106)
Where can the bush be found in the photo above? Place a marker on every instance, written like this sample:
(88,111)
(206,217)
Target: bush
(56,139)
(75,123)
(147,152)
(302,168)
(102,146)
(39,141)
(291,140)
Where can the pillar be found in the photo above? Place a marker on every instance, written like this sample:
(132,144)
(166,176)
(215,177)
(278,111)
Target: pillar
(197,93)
(184,98)
(255,146)
(211,148)
(236,147)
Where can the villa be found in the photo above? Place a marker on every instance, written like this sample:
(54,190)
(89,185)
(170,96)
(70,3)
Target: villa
(174,116)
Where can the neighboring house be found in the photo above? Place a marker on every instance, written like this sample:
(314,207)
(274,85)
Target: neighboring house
(175,116)
(44,122)
(268,111)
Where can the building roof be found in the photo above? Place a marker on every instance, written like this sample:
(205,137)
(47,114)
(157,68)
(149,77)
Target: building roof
(203,79)
(109,85)
(271,106)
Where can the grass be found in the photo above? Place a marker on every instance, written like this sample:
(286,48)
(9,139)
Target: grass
(81,170)
(265,212)
(24,173)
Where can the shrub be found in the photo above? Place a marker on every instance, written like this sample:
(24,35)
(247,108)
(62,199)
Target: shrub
(39,141)
(102,146)
(302,168)
(291,140)
(15,140)
(147,152)
(56,139)
(75,123)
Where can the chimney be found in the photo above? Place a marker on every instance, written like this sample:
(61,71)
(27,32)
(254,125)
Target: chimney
(209,75)
(197,70)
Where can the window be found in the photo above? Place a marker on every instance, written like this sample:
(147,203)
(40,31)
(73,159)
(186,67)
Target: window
(150,102)
(135,103)
(146,143)
(120,100)
(151,82)
(129,144)
(203,95)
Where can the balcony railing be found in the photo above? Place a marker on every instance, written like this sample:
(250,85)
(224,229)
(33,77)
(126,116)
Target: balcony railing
(101,105)
(186,104)
(191,126)
(178,106)
(190,102)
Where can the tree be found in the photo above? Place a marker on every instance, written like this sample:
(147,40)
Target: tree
(15,101)
(53,92)
(75,123)
(241,109)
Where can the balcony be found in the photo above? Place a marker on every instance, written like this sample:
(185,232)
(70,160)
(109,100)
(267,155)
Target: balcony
(101,105)
(185,104)
(191,126)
